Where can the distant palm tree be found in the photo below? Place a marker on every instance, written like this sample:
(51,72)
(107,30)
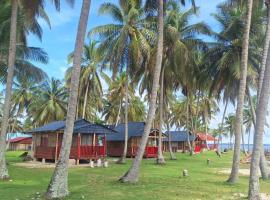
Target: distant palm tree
(90,89)
(49,103)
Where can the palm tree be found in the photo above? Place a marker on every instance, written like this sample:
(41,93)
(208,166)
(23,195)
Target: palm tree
(229,127)
(32,8)
(132,174)
(58,187)
(261,112)
(49,103)
(248,122)
(90,88)
(125,44)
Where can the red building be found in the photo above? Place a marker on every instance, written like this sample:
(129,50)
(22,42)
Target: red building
(20,144)
(116,141)
(205,141)
(89,140)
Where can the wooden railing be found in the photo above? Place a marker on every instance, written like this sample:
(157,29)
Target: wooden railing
(149,152)
(84,152)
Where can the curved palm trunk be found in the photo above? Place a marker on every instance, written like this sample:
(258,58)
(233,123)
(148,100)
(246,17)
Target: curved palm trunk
(160,158)
(132,174)
(11,62)
(188,138)
(58,187)
(222,127)
(241,96)
(249,141)
(263,164)
(85,100)
(261,112)
(122,160)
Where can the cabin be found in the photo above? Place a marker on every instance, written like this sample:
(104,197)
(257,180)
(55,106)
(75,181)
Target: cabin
(20,144)
(205,141)
(88,142)
(115,142)
(179,141)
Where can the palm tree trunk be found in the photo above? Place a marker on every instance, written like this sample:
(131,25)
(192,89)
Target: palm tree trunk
(261,112)
(263,164)
(222,127)
(160,158)
(11,67)
(132,174)
(122,160)
(188,138)
(241,96)
(85,100)
(243,143)
(249,141)
(58,187)
(265,50)
(118,114)
(172,156)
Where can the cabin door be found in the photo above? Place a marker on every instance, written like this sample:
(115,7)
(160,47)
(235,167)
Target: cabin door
(44,141)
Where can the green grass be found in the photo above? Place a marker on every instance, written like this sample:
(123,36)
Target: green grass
(156,182)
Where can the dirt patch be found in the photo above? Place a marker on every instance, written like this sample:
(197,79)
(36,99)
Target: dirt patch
(40,165)
(243,172)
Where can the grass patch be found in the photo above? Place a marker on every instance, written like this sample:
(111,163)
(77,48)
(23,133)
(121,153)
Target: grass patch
(156,182)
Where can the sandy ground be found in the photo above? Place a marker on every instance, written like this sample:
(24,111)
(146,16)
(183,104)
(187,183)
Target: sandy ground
(36,164)
(243,172)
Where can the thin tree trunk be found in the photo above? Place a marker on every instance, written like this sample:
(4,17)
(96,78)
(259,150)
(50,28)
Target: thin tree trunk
(85,100)
(122,160)
(222,127)
(160,158)
(11,67)
(249,141)
(172,155)
(234,176)
(132,174)
(263,164)
(243,143)
(261,113)
(188,138)
(58,187)
(118,114)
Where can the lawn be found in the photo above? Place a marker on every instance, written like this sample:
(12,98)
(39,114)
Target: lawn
(156,182)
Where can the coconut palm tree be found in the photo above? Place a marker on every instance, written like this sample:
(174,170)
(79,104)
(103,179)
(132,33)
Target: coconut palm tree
(126,43)
(49,102)
(132,174)
(33,10)
(90,89)
(261,112)
(58,187)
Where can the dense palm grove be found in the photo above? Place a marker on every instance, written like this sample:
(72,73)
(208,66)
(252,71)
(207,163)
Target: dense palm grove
(151,52)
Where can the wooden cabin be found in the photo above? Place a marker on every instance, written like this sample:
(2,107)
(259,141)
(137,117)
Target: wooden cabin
(205,141)
(179,140)
(88,142)
(20,144)
(115,142)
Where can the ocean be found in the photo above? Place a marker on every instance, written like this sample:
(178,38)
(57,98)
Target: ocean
(226,146)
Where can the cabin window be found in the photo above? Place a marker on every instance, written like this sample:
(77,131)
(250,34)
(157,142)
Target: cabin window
(86,140)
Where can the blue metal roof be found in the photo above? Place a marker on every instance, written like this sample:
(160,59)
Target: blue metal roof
(179,136)
(135,129)
(80,126)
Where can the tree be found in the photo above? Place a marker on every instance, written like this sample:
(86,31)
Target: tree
(125,44)
(132,174)
(58,186)
(49,102)
(261,112)
(90,88)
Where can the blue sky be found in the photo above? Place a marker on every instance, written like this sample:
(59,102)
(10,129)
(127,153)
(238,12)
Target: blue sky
(59,41)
